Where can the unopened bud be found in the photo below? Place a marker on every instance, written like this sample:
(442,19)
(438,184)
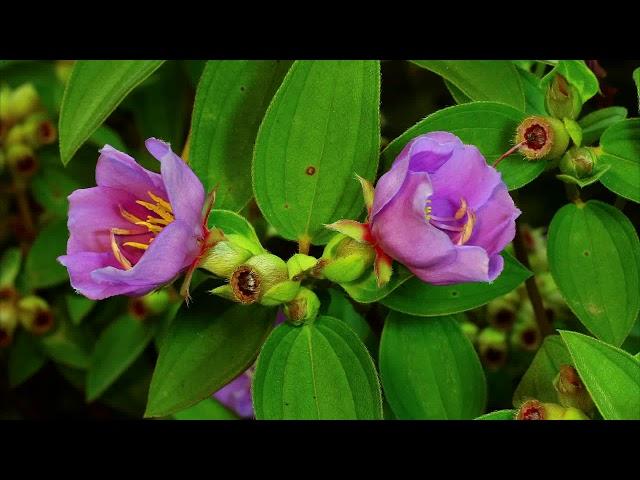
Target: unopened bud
(536,410)
(526,335)
(153,303)
(39,130)
(579,162)
(23,102)
(22,160)
(345,259)
(492,346)
(303,308)
(571,391)
(263,278)
(542,138)
(8,322)
(502,312)
(35,314)
(563,99)
(224,257)
(470,330)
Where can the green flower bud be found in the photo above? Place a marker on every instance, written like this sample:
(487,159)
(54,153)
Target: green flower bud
(571,391)
(303,308)
(526,335)
(263,278)
(492,346)
(579,162)
(536,410)
(23,102)
(224,257)
(556,307)
(35,314)
(542,138)
(22,160)
(345,259)
(8,322)
(563,99)
(15,135)
(502,312)
(153,303)
(39,130)
(572,413)
(470,330)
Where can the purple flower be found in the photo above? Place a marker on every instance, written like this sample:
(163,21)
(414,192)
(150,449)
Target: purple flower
(236,395)
(443,212)
(137,230)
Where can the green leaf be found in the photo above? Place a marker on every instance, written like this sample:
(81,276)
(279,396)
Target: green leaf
(316,371)
(583,182)
(78,307)
(105,135)
(489,126)
(498,415)
(25,359)
(68,345)
(41,268)
(94,90)
(594,258)
(429,369)
(636,78)
(621,149)
(367,290)
(574,130)
(322,128)
(208,409)
(207,345)
(116,349)
(595,123)
(533,94)
(492,80)
(537,382)
(341,308)
(457,94)
(418,298)
(233,224)
(577,74)
(611,376)
(232,98)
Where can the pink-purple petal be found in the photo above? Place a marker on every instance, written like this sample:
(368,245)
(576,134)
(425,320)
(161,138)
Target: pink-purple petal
(80,265)
(116,169)
(470,264)
(184,189)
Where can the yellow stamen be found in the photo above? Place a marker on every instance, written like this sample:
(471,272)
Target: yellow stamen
(141,246)
(156,209)
(467,229)
(157,221)
(122,231)
(152,228)
(163,203)
(116,252)
(128,216)
(462,210)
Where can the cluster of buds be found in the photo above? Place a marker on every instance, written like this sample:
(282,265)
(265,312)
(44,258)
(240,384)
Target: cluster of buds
(256,276)
(33,313)
(536,410)
(24,128)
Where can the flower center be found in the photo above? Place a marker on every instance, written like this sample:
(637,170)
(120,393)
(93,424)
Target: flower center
(460,225)
(162,216)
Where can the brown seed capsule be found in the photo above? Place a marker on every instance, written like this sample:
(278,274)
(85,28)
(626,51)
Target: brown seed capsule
(542,137)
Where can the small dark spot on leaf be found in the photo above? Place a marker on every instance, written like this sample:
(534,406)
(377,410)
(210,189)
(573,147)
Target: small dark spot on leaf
(286,205)
(586,253)
(310,170)
(242,88)
(455,293)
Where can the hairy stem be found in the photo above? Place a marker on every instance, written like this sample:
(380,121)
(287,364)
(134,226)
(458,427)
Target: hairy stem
(532,287)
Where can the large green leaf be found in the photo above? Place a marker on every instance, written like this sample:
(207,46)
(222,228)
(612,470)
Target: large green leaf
(621,149)
(232,98)
(25,358)
(418,298)
(636,78)
(41,268)
(317,371)
(594,257)
(595,123)
(233,224)
(208,409)
(489,126)
(116,349)
(492,80)
(207,345)
(322,128)
(611,376)
(537,382)
(578,74)
(533,94)
(429,369)
(94,90)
